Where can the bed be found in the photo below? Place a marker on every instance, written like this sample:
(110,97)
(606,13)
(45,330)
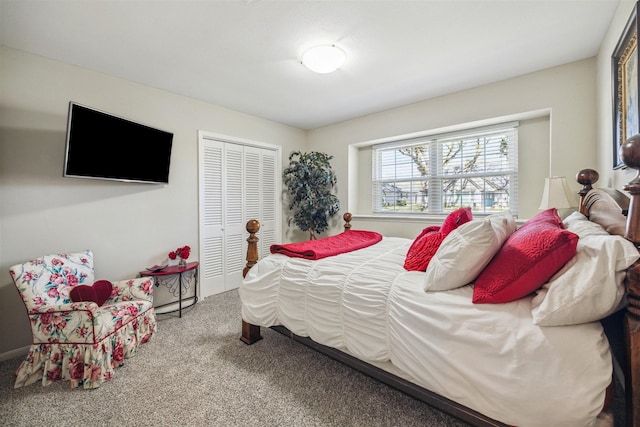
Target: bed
(535,360)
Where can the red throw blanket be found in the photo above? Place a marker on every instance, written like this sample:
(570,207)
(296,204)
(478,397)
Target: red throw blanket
(329,246)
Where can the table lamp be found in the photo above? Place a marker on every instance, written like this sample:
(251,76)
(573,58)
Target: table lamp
(557,195)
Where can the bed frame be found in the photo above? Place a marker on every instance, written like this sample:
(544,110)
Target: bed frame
(622,328)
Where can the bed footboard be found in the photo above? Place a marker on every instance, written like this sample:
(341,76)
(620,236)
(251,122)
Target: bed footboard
(251,333)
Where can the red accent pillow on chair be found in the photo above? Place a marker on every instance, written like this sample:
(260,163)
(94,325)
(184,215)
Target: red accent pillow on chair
(425,246)
(99,292)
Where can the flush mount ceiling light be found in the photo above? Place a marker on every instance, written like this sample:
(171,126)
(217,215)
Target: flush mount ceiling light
(323,59)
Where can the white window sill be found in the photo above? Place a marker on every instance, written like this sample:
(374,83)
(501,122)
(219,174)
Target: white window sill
(426,218)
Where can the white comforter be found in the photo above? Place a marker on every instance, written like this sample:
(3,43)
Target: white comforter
(490,358)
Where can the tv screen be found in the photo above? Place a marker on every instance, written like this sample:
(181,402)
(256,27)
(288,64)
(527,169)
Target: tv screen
(103,146)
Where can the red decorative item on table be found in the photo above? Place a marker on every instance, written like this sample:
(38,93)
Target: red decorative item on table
(182,253)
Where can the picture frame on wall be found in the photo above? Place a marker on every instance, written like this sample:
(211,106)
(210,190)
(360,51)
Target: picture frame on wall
(626,105)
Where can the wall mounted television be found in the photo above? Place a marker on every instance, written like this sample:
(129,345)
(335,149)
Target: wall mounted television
(104,146)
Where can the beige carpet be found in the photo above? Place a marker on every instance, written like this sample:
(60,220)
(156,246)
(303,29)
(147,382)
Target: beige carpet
(196,371)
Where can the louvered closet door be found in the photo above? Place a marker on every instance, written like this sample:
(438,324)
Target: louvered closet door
(211,217)
(261,196)
(238,183)
(234,222)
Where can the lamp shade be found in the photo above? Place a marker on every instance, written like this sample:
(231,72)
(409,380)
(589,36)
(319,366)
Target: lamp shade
(556,194)
(323,59)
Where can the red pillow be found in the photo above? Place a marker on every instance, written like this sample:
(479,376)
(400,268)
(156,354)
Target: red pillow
(549,216)
(425,246)
(423,249)
(455,219)
(99,292)
(526,261)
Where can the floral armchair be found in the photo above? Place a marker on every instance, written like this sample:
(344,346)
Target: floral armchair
(79,341)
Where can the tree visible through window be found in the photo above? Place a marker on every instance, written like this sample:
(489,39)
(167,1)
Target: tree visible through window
(438,174)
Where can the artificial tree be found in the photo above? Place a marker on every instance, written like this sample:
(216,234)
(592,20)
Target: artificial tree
(310,183)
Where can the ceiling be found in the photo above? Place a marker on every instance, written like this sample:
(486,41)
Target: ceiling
(243,54)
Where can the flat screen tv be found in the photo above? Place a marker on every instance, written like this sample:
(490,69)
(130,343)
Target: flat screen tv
(103,146)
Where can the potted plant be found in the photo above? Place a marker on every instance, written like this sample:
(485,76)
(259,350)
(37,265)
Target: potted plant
(310,183)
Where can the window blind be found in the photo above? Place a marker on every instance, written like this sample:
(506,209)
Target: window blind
(439,173)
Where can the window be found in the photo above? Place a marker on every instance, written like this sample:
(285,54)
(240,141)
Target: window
(440,173)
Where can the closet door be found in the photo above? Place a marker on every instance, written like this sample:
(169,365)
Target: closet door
(212,206)
(238,182)
(234,223)
(261,195)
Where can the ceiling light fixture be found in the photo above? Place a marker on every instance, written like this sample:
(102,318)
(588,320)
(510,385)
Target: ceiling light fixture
(324,58)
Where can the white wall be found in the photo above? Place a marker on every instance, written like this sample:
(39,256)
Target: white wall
(128,226)
(609,177)
(567,92)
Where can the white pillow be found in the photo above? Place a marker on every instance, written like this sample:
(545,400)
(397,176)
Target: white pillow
(580,225)
(466,251)
(590,286)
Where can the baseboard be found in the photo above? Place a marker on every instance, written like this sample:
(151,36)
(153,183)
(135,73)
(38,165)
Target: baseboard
(14,353)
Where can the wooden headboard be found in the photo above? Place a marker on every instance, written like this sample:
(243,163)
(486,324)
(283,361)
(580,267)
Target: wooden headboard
(609,208)
(620,215)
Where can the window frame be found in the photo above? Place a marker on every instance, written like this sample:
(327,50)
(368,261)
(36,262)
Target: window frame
(434,193)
